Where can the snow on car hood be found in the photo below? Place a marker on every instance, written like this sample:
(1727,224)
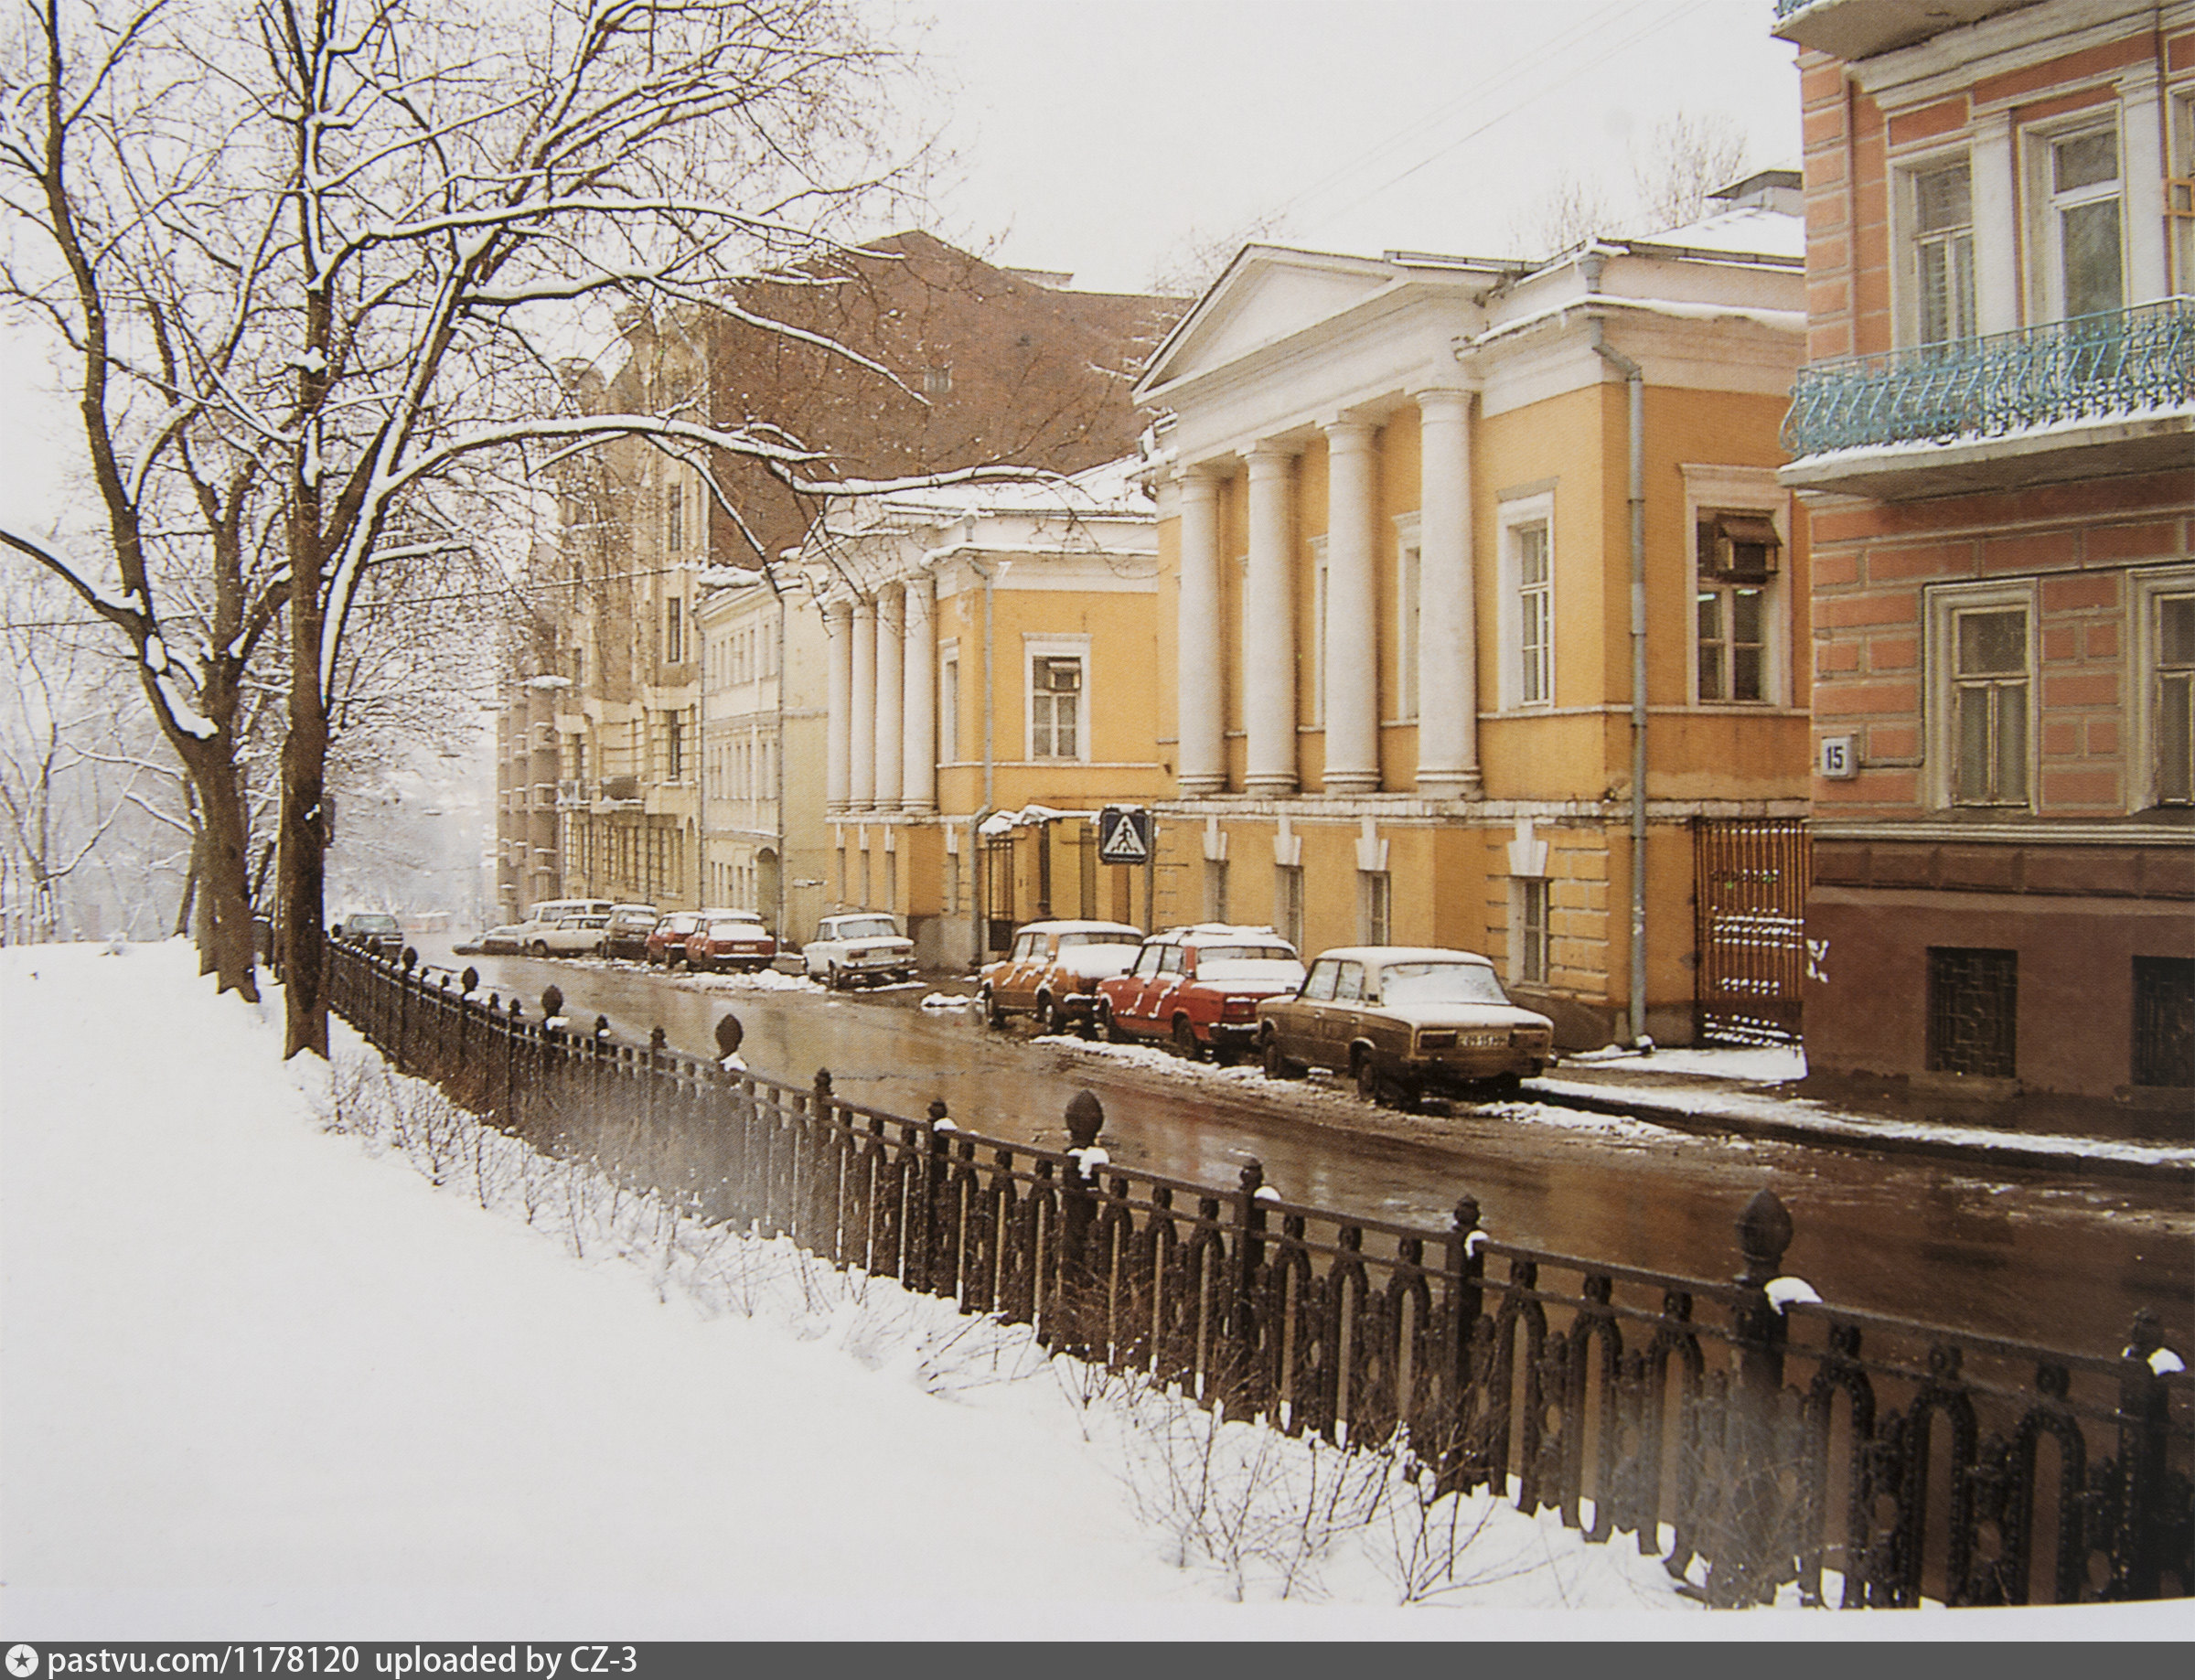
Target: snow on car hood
(1097,962)
(1468,1016)
(872,942)
(1252,974)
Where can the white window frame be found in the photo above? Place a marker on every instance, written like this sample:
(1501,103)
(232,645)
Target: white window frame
(1710,489)
(1524,947)
(948,700)
(1517,516)
(1374,906)
(1945,604)
(1409,604)
(1035,647)
(1318,631)
(1910,240)
(2146,589)
(2046,277)
(2179,191)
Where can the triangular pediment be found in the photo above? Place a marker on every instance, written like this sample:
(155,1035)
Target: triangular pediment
(1267,295)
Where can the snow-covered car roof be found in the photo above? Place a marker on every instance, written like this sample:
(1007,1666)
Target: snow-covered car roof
(1376,955)
(1135,933)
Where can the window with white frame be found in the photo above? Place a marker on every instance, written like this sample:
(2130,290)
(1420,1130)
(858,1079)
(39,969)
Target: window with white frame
(1409,574)
(1215,889)
(1528,922)
(1058,698)
(1527,602)
(1941,218)
(674,517)
(2180,194)
(1375,905)
(1317,674)
(2080,249)
(949,702)
(2164,606)
(1982,694)
(1740,598)
(1288,901)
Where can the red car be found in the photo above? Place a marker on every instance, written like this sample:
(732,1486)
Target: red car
(731,939)
(667,939)
(1199,986)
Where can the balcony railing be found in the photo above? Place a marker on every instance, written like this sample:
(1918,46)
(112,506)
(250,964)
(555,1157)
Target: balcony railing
(2091,368)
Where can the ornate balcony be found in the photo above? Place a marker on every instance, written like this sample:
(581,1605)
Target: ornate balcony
(2118,388)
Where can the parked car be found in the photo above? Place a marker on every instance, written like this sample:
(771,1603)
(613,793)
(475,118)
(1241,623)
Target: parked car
(864,948)
(1199,986)
(665,942)
(731,939)
(1053,970)
(575,933)
(627,932)
(374,930)
(1402,1021)
(497,942)
(542,933)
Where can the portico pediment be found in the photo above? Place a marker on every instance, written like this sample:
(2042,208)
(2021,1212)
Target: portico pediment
(1267,295)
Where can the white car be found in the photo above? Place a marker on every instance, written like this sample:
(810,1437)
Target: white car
(864,950)
(574,933)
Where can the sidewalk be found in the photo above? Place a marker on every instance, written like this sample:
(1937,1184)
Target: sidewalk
(1766,1093)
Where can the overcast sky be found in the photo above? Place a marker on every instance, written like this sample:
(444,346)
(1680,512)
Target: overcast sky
(1093,136)
(1098,136)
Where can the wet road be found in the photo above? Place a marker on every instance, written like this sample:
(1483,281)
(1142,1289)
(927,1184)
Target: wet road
(2035,1256)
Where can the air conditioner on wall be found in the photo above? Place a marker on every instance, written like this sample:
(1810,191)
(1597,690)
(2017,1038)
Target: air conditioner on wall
(1739,548)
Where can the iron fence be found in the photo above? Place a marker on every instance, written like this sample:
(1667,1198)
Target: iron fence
(2087,368)
(1755,1441)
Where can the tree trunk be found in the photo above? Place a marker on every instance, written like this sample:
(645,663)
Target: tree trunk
(220,868)
(190,895)
(301,863)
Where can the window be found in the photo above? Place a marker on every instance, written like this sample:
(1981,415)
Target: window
(674,748)
(1288,901)
(936,381)
(1056,692)
(1215,889)
(674,631)
(2080,247)
(2164,1021)
(1527,602)
(1374,895)
(1989,701)
(1973,1011)
(948,706)
(1528,916)
(2180,196)
(1731,618)
(1317,987)
(1317,674)
(1943,223)
(1408,572)
(2172,702)
(674,517)
(1982,695)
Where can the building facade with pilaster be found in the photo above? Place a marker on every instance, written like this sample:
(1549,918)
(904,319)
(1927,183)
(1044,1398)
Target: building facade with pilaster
(991,654)
(1397,639)
(1995,443)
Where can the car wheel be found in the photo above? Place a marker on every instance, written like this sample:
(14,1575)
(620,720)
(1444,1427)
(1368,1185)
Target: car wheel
(831,977)
(1370,1086)
(1503,1089)
(1278,1066)
(1106,1027)
(1047,1017)
(992,1014)
(1184,1040)
(539,950)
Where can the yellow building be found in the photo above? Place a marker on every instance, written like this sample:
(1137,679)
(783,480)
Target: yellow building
(992,659)
(1397,638)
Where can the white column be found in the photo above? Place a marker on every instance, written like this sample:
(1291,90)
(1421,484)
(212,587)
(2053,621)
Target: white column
(890,692)
(837,636)
(860,744)
(918,706)
(1268,629)
(1992,167)
(1200,654)
(1448,641)
(1352,662)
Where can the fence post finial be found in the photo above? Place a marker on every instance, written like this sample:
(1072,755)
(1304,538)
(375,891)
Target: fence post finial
(553,1003)
(470,981)
(1764,1234)
(729,1034)
(1085,1120)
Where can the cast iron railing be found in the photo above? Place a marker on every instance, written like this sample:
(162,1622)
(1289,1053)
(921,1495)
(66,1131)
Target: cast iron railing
(2090,368)
(1751,1440)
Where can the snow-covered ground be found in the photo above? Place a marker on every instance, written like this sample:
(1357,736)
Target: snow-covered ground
(296,1354)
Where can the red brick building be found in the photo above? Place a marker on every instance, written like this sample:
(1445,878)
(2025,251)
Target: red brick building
(1995,443)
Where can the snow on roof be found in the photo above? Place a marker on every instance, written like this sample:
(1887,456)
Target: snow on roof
(1109,488)
(1740,232)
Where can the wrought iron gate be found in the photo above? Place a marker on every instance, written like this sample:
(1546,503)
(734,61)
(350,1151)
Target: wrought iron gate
(1749,877)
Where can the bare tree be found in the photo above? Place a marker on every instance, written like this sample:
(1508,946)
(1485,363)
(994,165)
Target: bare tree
(348,242)
(1686,157)
(1573,210)
(1188,267)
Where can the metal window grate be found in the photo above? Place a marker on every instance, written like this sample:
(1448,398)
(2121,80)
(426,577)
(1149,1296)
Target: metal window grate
(2164,1021)
(1972,1009)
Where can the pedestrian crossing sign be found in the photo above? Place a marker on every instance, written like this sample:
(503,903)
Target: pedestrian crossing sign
(1123,835)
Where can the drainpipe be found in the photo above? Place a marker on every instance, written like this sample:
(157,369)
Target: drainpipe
(976,867)
(1634,378)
